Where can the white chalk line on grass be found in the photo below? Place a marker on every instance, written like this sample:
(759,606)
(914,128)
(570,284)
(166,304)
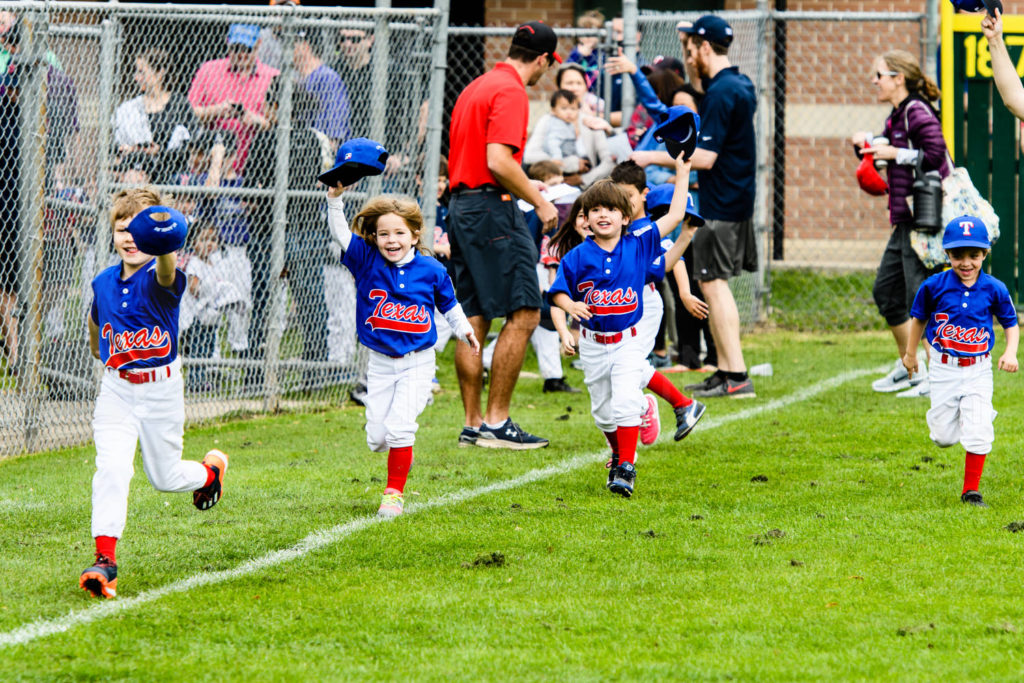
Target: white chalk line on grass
(324,537)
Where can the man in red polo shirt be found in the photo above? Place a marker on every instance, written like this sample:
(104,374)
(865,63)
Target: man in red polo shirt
(493,254)
(231,93)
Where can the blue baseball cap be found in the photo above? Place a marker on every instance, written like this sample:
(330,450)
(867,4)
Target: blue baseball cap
(968,5)
(966,231)
(356,159)
(243,34)
(679,131)
(711,28)
(158,230)
(660,197)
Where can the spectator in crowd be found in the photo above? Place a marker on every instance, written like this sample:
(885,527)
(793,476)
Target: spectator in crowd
(328,108)
(61,123)
(560,140)
(200,313)
(493,254)
(593,159)
(269,51)
(585,52)
(230,94)
(158,123)
(916,134)
(726,163)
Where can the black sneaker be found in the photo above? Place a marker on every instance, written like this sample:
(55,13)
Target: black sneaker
(206,497)
(611,465)
(973,498)
(468,437)
(101,578)
(709,383)
(731,388)
(559,384)
(687,418)
(509,435)
(623,479)
(358,394)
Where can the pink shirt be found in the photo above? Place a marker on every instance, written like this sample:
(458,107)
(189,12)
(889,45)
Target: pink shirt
(215,82)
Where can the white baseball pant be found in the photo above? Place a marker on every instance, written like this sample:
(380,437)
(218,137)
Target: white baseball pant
(152,415)
(397,390)
(647,328)
(548,347)
(614,375)
(961,404)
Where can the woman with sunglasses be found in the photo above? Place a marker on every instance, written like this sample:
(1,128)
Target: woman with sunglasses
(914,135)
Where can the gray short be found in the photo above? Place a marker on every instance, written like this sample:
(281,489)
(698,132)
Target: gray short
(723,249)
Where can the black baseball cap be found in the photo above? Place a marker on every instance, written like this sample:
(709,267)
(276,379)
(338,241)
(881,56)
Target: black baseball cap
(711,28)
(537,36)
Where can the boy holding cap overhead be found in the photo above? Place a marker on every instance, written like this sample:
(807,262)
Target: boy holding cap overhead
(954,310)
(133,329)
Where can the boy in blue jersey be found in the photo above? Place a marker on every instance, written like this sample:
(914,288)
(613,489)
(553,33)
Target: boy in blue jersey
(133,329)
(954,310)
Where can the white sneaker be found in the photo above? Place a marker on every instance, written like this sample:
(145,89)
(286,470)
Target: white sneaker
(920,389)
(896,380)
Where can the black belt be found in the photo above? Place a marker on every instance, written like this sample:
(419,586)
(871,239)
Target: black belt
(477,190)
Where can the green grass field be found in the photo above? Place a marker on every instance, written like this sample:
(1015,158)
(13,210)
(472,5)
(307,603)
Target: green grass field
(813,533)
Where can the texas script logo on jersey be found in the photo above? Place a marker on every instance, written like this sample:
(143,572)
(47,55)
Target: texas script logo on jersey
(389,315)
(130,345)
(608,302)
(962,339)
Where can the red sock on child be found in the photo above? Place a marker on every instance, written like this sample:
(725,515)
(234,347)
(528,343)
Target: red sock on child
(399,462)
(106,545)
(613,441)
(627,436)
(973,465)
(660,385)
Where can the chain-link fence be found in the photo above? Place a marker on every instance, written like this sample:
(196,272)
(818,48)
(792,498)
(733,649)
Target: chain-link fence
(230,112)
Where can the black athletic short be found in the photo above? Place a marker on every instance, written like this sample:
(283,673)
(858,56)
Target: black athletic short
(493,255)
(723,249)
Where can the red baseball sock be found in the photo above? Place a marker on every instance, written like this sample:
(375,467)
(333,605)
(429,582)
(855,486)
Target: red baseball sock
(627,436)
(210,476)
(105,545)
(399,462)
(660,385)
(613,441)
(973,466)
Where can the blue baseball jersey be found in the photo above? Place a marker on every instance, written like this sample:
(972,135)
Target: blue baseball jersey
(395,304)
(610,283)
(138,319)
(655,271)
(959,318)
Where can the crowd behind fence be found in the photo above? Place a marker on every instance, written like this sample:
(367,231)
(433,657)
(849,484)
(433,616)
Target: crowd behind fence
(97,98)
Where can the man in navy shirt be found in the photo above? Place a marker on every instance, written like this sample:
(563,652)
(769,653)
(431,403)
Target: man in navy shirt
(726,163)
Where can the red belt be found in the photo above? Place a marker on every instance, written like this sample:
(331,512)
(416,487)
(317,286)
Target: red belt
(614,338)
(962,361)
(145,376)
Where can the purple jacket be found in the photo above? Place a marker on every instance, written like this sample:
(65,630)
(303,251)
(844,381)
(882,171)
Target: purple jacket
(914,119)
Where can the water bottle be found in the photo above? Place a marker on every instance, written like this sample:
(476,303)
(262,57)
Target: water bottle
(880,140)
(928,202)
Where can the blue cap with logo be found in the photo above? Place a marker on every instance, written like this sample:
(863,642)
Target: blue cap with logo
(711,28)
(243,34)
(660,197)
(966,231)
(158,230)
(356,159)
(679,131)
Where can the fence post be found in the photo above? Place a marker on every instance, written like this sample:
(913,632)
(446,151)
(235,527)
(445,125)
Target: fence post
(379,87)
(31,145)
(438,73)
(629,46)
(272,384)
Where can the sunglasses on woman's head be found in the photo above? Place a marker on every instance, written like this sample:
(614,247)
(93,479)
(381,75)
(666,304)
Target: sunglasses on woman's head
(879,74)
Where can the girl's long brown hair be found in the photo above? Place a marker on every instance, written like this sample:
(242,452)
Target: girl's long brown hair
(365,222)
